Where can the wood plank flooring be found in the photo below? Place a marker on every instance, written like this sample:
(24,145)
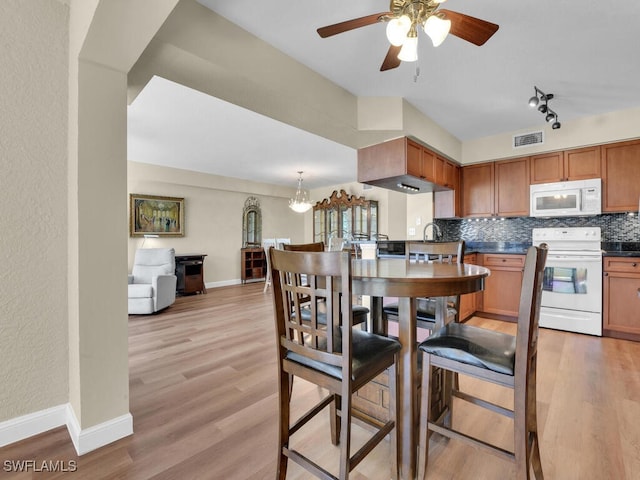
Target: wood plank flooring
(203,399)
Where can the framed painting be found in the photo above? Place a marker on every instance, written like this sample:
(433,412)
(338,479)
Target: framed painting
(153,215)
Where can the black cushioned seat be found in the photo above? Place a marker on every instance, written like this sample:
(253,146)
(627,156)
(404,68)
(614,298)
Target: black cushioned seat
(426,310)
(359,315)
(367,347)
(483,348)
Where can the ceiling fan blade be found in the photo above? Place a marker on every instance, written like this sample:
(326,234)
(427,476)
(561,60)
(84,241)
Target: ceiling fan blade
(341,27)
(391,60)
(469,28)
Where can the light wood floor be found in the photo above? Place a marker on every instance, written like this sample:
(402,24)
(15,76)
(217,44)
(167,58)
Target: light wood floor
(202,377)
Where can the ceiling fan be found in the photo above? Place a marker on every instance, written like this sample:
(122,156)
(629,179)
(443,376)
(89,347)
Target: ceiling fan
(404,19)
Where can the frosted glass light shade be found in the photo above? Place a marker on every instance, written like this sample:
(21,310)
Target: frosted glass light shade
(397,30)
(409,50)
(437,29)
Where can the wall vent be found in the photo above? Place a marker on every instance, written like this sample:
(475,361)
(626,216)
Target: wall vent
(528,139)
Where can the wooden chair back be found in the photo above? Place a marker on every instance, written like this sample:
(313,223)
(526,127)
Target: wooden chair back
(435,251)
(304,247)
(328,279)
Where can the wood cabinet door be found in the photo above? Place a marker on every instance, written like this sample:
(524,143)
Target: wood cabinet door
(621,176)
(548,167)
(468,302)
(414,159)
(582,163)
(429,165)
(512,187)
(477,190)
(439,170)
(621,305)
(501,294)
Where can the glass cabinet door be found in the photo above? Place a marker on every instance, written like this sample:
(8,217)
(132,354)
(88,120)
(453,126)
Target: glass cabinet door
(345,216)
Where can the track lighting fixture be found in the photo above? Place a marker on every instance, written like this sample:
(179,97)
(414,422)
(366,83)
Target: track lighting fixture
(541,100)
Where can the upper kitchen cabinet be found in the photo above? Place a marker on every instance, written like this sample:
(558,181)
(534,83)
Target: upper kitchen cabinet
(512,187)
(402,165)
(620,176)
(576,164)
(496,189)
(478,190)
(446,203)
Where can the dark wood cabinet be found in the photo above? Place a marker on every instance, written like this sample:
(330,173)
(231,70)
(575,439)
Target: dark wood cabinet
(190,273)
(621,176)
(253,264)
(621,298)
(345,216)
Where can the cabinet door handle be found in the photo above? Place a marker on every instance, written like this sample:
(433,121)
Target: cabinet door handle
(606,274)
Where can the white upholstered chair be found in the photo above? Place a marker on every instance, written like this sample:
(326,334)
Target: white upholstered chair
(152,282)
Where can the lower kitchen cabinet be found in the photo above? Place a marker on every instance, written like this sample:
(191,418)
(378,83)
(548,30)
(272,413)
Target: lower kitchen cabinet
(469,302)
(501,294)
(621,297)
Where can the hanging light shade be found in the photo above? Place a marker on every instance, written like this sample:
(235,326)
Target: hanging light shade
(409,50)
(397,30)
(437,29)
(300,203)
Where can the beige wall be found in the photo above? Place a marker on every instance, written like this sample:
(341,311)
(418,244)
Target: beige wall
(610,127)
(33,192)
(213,215)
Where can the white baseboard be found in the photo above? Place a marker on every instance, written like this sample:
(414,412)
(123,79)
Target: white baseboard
(84,441)
(224,283)
(19,428)
(99,435)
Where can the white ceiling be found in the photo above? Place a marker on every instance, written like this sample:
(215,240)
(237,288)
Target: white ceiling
(582,51)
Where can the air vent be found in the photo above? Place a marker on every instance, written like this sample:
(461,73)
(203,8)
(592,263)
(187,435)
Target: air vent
(528,139)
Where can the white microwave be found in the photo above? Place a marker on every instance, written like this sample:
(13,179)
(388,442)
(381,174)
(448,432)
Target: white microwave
(565,199)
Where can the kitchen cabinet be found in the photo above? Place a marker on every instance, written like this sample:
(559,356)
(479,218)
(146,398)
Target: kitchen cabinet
(496,189)
(575,164)
(469,302)
(477,190)
(446,203)
(512,187)
(621,297)
(620,174)
(403,165)
(501,294)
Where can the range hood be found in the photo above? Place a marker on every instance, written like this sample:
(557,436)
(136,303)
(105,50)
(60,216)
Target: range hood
(402,165)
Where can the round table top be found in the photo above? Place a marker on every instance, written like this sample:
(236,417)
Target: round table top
(399,278)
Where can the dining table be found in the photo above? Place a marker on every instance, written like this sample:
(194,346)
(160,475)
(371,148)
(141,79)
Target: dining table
(408,280)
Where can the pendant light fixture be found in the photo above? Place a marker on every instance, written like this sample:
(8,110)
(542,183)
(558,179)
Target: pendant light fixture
(300,203)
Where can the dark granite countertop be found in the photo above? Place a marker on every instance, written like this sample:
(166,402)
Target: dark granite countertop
(621,249)
(519,248)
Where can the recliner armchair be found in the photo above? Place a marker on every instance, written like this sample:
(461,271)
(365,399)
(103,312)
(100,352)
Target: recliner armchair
(152,282)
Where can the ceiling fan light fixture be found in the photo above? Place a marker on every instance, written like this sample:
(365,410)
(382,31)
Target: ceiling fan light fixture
(409,50)
(397,30)
(437,29)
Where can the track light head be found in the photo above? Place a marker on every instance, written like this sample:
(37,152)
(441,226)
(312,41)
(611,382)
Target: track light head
(543,108)
(556,125)
(533,101)
(550,117)
(540,100)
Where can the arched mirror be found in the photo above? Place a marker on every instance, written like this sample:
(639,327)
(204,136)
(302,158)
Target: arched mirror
(251,223)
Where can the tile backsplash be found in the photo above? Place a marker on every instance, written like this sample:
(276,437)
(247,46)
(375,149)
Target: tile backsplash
(616,227)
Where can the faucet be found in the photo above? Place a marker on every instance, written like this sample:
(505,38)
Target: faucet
(437,233)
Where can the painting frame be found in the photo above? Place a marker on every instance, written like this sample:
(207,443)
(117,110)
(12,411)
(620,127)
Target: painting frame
(155,215)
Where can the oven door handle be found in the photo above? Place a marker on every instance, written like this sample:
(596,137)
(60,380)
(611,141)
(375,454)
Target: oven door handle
(573,258)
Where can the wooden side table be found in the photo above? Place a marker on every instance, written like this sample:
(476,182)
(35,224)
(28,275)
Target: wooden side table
(190,273)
